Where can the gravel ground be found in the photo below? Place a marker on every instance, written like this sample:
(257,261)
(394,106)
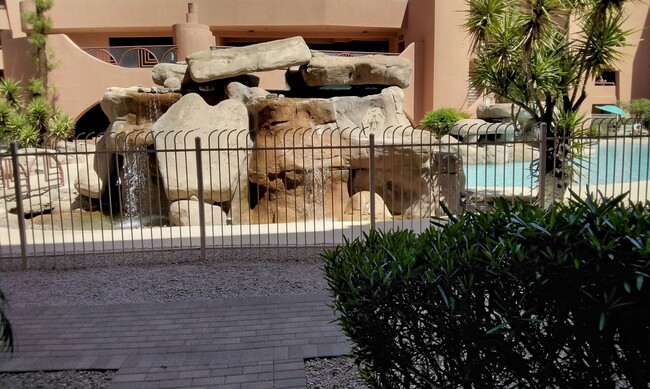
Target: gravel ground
(221,278)
(333,373)
(68,379)
(161,283)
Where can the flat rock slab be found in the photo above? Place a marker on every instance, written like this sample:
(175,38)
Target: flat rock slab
(212,65)
(365,70)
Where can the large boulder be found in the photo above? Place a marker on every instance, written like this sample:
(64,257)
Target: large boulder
(299,195)
(186,213)
(502,112)
(165,71)
(294,134)
(212,65)
(88,182)
(245,94)
(358,208)
(412,180)
(364,70)
(296,169)
(222,128)
(119,102)
(381,114)
(477,130)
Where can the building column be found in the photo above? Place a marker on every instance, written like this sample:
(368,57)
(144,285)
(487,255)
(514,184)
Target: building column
(191,36)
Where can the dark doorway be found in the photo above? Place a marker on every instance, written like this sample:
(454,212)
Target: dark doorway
(380,46)
(141,41)
(92,123)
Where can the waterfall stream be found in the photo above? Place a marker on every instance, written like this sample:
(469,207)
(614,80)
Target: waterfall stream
(136,171)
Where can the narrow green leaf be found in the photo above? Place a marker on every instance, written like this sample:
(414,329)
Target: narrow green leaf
(627,287)
(444,295)
(639,281)
(496,328)
(601,322)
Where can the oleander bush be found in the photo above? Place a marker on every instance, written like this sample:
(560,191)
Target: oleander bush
(518,297)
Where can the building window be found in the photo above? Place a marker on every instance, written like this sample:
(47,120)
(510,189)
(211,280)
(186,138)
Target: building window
(141,41)
(607,78)
(472,93)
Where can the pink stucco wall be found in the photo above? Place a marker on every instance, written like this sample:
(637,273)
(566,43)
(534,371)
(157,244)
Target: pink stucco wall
(430,33)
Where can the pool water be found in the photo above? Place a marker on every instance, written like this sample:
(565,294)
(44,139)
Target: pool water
(608,162)
(504,175)
(616,162)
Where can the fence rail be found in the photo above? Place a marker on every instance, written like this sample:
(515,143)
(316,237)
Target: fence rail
(116,196)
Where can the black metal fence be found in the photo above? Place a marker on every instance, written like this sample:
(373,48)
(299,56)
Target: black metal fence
(111,198)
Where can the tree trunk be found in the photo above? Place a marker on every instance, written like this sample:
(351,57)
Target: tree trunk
(557,176)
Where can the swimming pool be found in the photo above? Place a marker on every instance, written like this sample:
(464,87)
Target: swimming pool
(607,162)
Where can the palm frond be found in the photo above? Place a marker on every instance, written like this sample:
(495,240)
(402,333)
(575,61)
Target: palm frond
(482,14)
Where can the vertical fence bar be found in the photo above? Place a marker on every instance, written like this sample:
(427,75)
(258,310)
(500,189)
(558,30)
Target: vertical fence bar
(543,137)
(19,205)
(199,180)
(371,169)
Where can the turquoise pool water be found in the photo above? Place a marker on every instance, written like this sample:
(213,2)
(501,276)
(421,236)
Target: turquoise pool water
(616,162)
(608,162)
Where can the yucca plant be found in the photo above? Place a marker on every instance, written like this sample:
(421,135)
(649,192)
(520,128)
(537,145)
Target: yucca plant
(23,131)
(5,112)
(526,52)
(36,88)
(60,127)
(40,111)
(12,92)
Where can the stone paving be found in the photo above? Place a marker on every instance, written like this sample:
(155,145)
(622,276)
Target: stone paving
(244,342)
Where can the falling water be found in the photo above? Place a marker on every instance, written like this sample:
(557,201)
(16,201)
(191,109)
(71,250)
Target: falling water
(316,187)
(137,184)
(136,178)
(153,108)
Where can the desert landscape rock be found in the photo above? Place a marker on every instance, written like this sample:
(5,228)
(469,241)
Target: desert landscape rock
(363,70)
(222,126)
(212,65)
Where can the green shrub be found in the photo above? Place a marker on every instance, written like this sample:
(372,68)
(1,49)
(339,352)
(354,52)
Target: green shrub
(441,120)
(639,109)
(32,120)
(518,297)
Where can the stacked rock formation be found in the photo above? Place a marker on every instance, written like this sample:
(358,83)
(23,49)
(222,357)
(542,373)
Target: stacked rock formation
(282,158)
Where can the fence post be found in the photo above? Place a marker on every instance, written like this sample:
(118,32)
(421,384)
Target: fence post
(199,180)
(22,230)
(543,138)
(371,168)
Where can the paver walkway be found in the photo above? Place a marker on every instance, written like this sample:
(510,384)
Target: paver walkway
(247,342)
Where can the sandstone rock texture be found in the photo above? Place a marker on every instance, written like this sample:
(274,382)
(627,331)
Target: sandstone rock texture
(300,195)
(501,111)
(381,114)
(163,72)
(224,126)
(364,70)
(268,158)
(118,102)
(477,130)
(186,213)
(212,65)
(358,208)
